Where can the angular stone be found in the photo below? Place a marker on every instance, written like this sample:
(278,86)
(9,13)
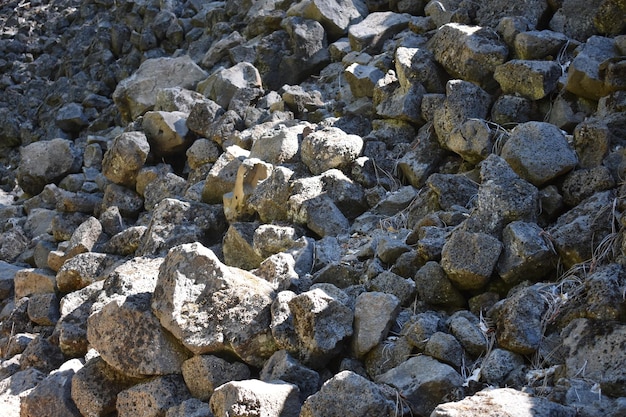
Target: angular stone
(168,185)
(349,394)
(445,348)
(42,355)
(29,281)
(472,139)
(177,99)
(539,44)
(125,157)
(222,176)
(423,381)
(152,398)
(190,408)
(276,398)
(202,115)
(83,270)
(362,79)
(471,53)
(46,162)
(194,285)
(222,85)
(204,373)
(237,246)
(393,101)
(249,174)
(52,396)
(202,152)
(130,338)
(7,278)
(490,12)
(269,198)
(434,287)
(128,202)
(43,309)
(375,29)
(19,383)
(498,364)
(583,183)
(335,16)
(279,145)
(329,148)
(284,367)
(417,65)
(166,131)
(531,79)
(574,18)
(465,327)
(538,152)
(137,94)
(374,314)
(585,76)
(71,117)
(422,158)
(469,258)
(84,238)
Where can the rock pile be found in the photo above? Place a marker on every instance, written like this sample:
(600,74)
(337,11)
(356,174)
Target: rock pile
(312,208)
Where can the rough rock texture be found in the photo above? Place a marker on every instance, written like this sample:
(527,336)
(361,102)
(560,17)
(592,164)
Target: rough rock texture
(312,208)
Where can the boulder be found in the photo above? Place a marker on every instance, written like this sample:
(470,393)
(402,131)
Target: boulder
(466,328)
(417,65)
(490,12)
(424,382)
(138,93)
(471,53)
(445,348)
(125,157)
(282,366)
(574,18)
(374,313)
(375,29)
(194,285)
(435,288)
(52,396)
(503,402)
(279,145)
(166,131)
(539,44)
(269,198)
(252,396)
(152,398)
(203,374)
(249,174)
(362,79)
(348,394)
(531,79)
(585,76)
(223,174)
(538,152)
(329,148)
(29,281)
(83,270)
(335,16)
(498,364)
(46,162)
(222,85)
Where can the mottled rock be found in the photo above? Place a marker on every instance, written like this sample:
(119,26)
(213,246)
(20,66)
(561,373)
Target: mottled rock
(52,396)
(417,65)
(472,139)
(445,348)
(269,198)
(530,79)
(83,269)
(329,148)
(137,94)
(362,79)
(574,18)
(335,16)
(498,364)
(282,366)
(166,131)
(204,373)
(375,29)
(152,398)
(434,287)
(252,396)
(585,76)
(279,145)
(539,44)
(43,309)
(374,314)
(222,85)
(465,327)
(223,174)
(194,285)
(29,281)
(490,12)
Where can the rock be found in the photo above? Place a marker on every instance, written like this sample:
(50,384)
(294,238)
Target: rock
(83,270)
(282,366)
(238,246)
(374,314)
(84,238)
(335,16)
(239,302)
(435,288)
(463,101)
(538,152)
(137,94)
(202,152)
(168,185)
(471,53)
(348,196)
(417,65)
(424,382)
(129,203)
(321,322)
(530,79)
(269,198)
(465,327)
(177,99)
(329,148)
(362,79)
(71,118)
(130,338)
(490,12)
(153,397)
(319,213)
(43,309)
(607,18)
(573,21)
(46,162)
(96,385)
(503,402)
(498,364)
(527,254)
(241,398)
(222,85)
(575,231)
(52,396)
(422,159)
(279,145)
(19,383)
(223,174)
(469,258)
(190,408)
(445,348)
(390,283)
(392,101)
(585,77)
(581,184)
(7,278)
(271,239)
(175,222)
(349,394)
(203,114)
(472,139)
(249,174)
(204,373)
(512,110)
(166,131)
(539,44)
(310,49)
(42,355)
(375,29)
(29,281)
(522,329)
(594,137)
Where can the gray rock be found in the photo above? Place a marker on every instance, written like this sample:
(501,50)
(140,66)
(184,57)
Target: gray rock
(138,93)
(594,137)
(190,408)
(607,18)
(83,270)
(362,79)
(424,382)
(375,29)
(310,49)
(19,383)
(166,131)
(538,152)
(279,270)
(52,396)
(168,185)
(583,183)
(319,213)
(43,309)
(530,79)
(242,398)
(520,323)
(392,101)
(539,44)
(527,254)
(435,288)
(282,366)
(348,394)
(445,348)
(177,99)
(46,162)
(41,354)
(470,258)
(130,338)
(279,145)
(238,302)
(271,239)
(222,85)
(391,283)
(472,139)
(249,174)
(96,385)
(152,398)
(321,323)
(585,77)
(7,276)
(84,238)
(490,12)
(508,110)
(71,117)
(422,158)
(348,196)
(219,50)
(269,198)
(575,232)
(202,115)
(465,328)
(175,222)
(498,364)
(374,314)
(238,246)
(575,19)
(202,152)
(417,65)
(223,174)
(205,373)
(471,53)
(329,148)
(464,100)
(128,202)
(503,402)
(335,16)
